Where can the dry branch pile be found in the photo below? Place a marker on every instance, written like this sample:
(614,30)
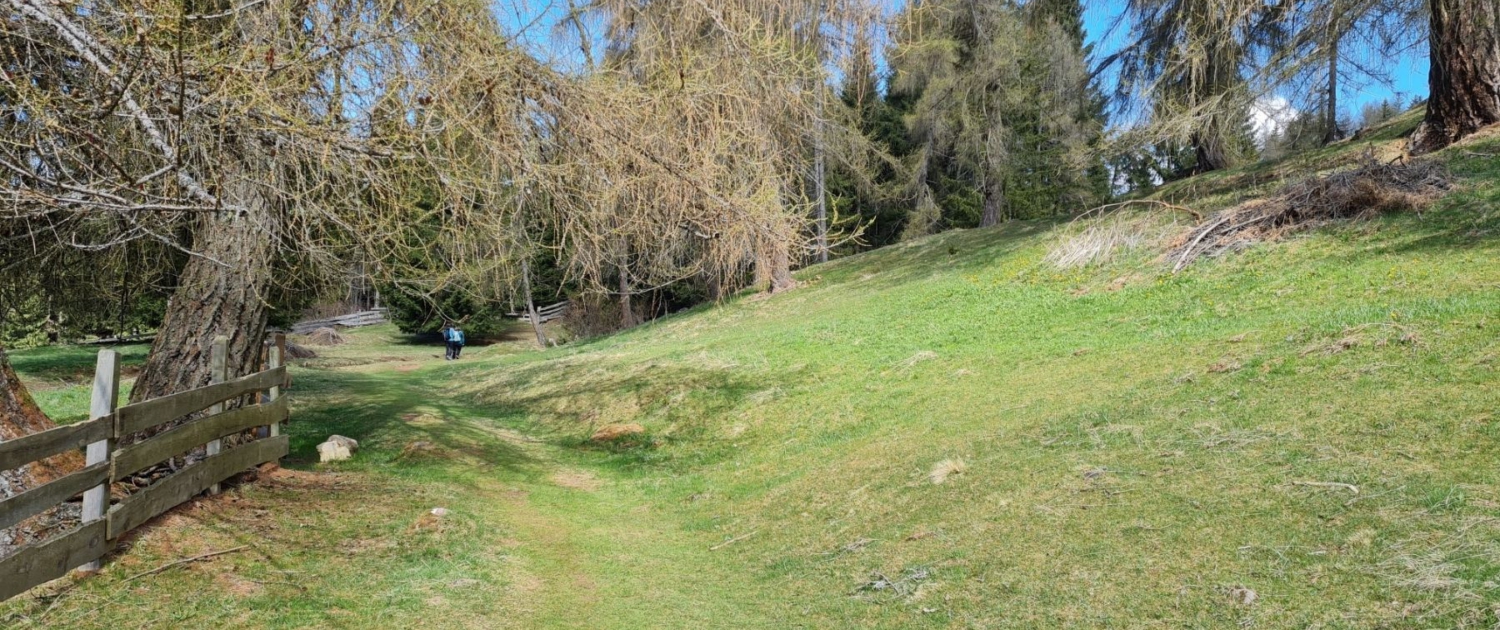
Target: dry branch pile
(1370,188)
(325,337)
(294,351)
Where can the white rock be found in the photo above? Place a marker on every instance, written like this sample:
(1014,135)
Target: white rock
(439,512)
(333,452)
(349,443)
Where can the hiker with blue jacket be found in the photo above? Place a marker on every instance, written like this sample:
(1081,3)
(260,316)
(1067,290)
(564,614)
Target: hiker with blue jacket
(453,336)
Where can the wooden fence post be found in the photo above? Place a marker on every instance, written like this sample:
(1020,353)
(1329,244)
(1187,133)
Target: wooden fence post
(274,357)
(102,403)
(218,370)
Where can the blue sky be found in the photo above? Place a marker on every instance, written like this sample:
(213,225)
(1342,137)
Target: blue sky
(533,22)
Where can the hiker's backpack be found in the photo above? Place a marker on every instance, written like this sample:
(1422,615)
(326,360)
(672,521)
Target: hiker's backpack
(456,336)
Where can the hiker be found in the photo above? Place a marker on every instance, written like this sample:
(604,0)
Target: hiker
(453,336)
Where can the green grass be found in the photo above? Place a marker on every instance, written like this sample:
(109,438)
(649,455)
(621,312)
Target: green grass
(1139,448)
(58,376)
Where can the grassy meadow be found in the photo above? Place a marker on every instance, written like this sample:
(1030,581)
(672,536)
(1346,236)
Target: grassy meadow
(948,433)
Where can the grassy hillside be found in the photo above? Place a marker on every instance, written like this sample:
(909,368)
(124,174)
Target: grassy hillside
(1300,434)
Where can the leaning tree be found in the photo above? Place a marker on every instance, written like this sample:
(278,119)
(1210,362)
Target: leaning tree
(264,142)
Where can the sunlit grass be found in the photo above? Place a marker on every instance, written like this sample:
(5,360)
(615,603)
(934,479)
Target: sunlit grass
(1302,434)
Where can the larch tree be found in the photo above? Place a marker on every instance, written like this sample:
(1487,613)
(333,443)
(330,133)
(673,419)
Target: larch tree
(265,141)
(1464,78)
(699,128)
(1186,62)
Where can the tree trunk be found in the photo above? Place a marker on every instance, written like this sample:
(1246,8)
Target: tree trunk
(994,205)
(773,266)
(1210,152)
(222,291)
(781,267)
(1331,102)
(1464,79)
(536,322)
(19,416)
(821,183)
(712,285)
(627,311)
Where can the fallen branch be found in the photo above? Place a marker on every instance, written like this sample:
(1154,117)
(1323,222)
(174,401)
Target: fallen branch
(733,540)
(185,561)
(1328,484)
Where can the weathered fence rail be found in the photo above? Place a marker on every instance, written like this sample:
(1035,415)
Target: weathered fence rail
(547,313)
(352,320)
(104,463)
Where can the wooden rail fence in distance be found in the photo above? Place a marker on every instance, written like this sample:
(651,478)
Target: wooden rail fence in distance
(104,463)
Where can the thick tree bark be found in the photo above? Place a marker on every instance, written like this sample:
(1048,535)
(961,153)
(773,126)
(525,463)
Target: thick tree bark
(1464,79)
(222,291)
(19,416)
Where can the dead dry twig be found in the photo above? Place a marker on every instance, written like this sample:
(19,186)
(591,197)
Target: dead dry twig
(174,563)
(1328,484)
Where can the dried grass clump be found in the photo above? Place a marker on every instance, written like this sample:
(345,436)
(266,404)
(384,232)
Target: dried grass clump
(1371,188)
(945,469)
(1100,238)
(326,337)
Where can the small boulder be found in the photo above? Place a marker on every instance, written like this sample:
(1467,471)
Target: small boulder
(439,512)
(349,443)
(612,432)
(337,448)
(333,452)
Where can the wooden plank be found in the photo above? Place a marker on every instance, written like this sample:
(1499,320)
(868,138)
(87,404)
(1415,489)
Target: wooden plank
(183,438)
(52,558)
(105,396)
(274,359)
(33,501)
(181,486)
(218,370)
(26,449)
(144,415)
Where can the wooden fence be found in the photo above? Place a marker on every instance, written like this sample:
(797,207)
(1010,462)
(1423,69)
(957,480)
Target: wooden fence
(104,463)
(547,313)
(352,320)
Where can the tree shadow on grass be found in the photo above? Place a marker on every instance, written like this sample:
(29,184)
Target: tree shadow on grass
(566,405)
(71,363)
(389,417)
